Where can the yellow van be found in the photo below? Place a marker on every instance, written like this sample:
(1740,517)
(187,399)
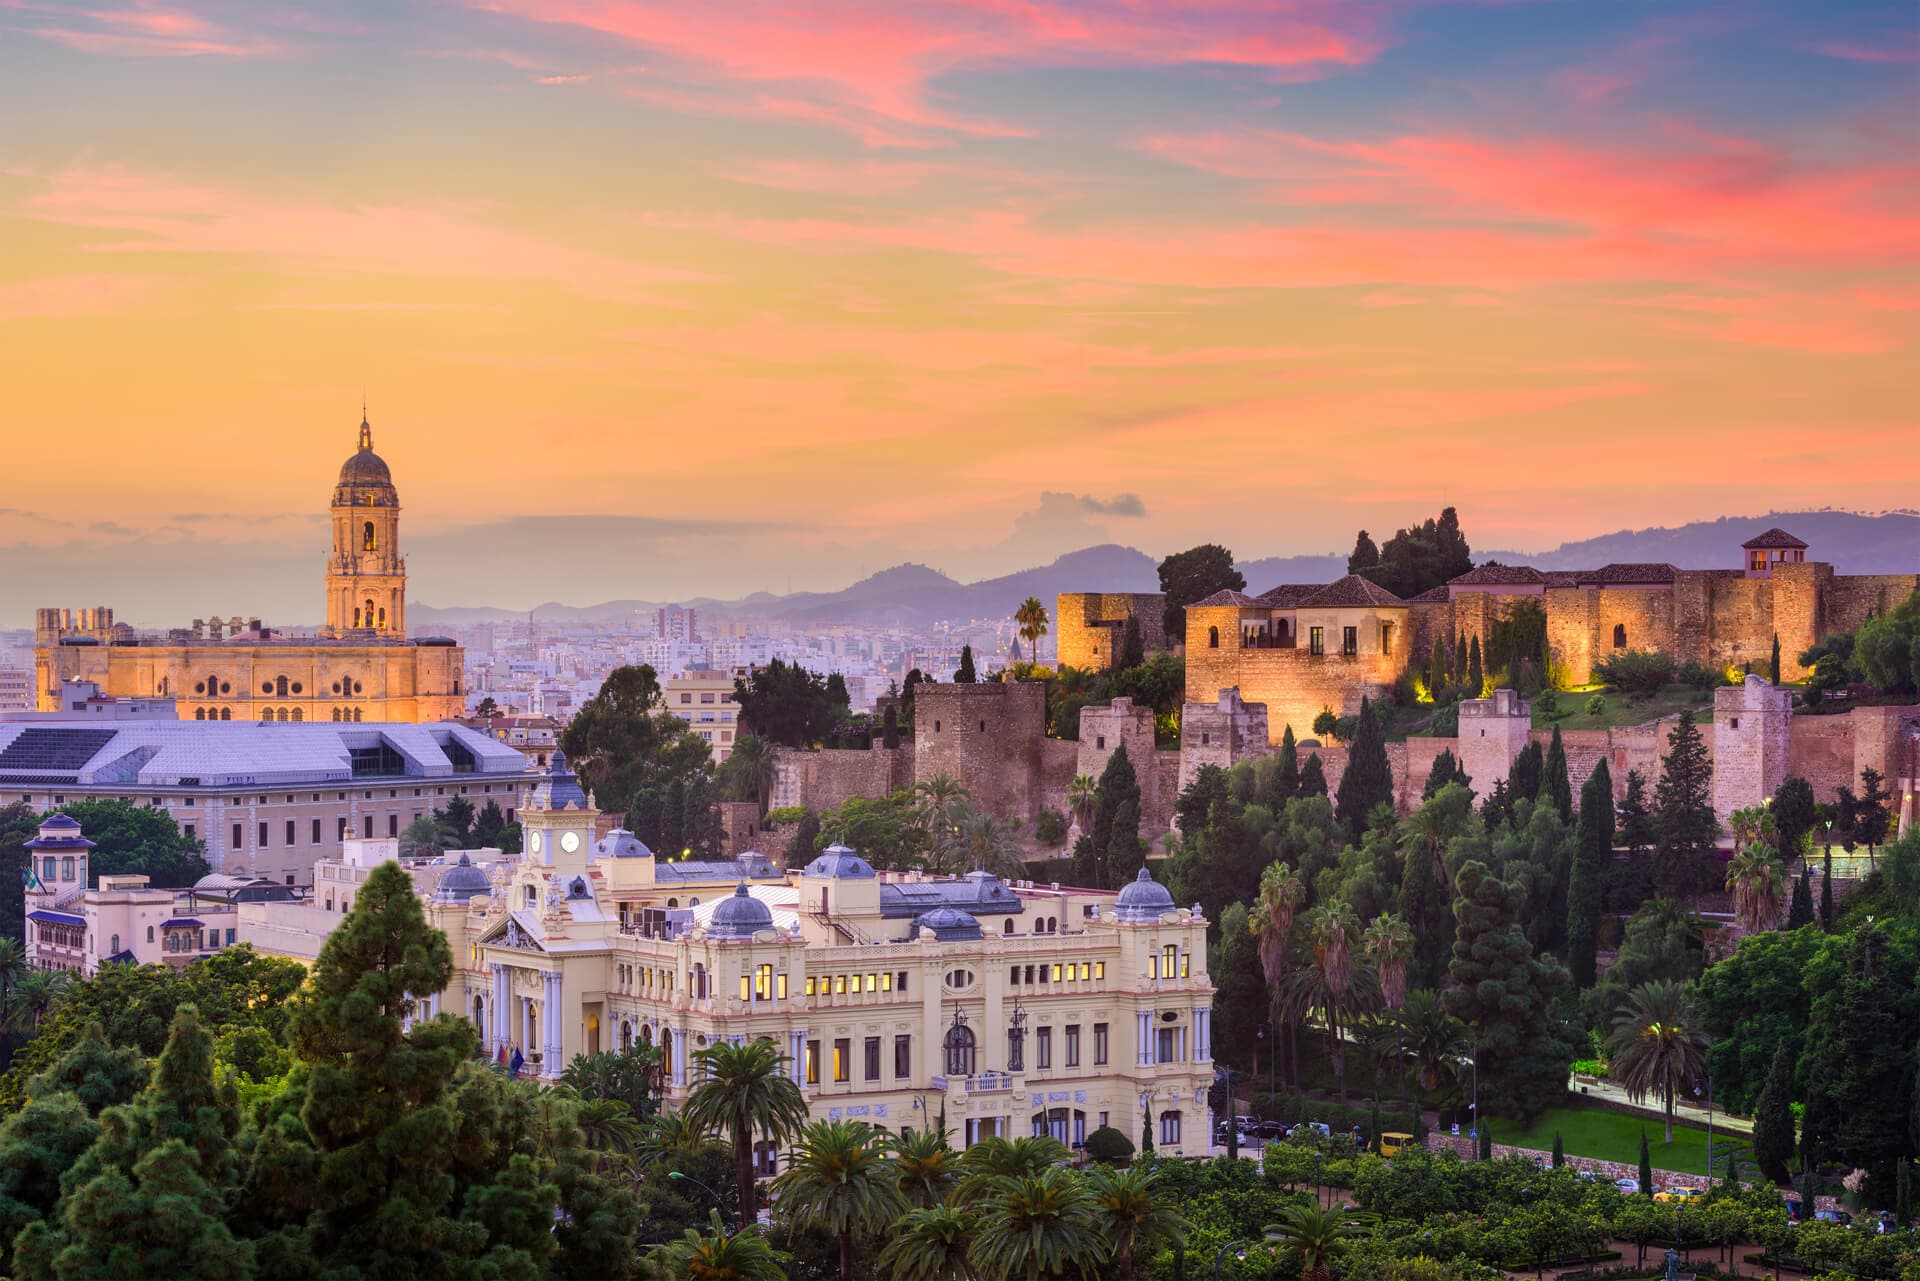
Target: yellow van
(1391,1141)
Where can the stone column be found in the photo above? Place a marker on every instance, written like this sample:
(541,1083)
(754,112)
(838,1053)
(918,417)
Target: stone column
(498,1009)
(1144,1053)
(551,1046)
(1202,1035)
(680,1056)
(526,1024)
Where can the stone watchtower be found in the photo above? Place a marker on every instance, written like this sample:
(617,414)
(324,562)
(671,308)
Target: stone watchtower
(366,575)
(1492,733)
(1752,725)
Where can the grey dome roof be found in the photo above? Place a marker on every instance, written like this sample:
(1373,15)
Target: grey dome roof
(740,916)
(461,882)
(840,862)
(948,923)
(559,788)
(1145,899)
(620,843)
(365,480)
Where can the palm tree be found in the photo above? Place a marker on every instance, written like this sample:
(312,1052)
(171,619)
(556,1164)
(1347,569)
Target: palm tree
(1032,617)
(1754,823)
(608,1127)
(997,1158)
(980,842)
(1656,1046)
(841,1182)
(1040,1228)
(931,1244)
(1083,795)
(32,995)
(667,1138)
(1134,1218)
(1758,881)
(941,800)
(1337,984)
(1432,1040)
(1281,891)
(715,1255)
(925,1165)
(751,762)
(1314,1236)
(1388,943)
(743,1090)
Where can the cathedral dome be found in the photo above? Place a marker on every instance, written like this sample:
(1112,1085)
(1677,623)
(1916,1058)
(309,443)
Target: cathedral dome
(365,480)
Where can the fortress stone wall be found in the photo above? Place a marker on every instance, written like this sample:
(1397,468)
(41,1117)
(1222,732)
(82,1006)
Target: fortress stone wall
(987,735)
(1087,626)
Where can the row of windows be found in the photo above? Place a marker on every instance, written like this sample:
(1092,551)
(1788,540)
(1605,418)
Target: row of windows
(645,980)
(1043,1047)
(1170,963)
(48,864)
(855,984)
(1316,640)
(187,940)
(869,1059)
(1058,972)
(706,698)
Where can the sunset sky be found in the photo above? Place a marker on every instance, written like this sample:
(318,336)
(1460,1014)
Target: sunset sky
(661,300)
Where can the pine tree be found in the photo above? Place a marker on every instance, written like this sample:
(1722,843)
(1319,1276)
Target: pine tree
(965,676)
(1773,1117)
(1773,666)
(1286,769)
(1476,679)
(1559,1153)
(1646,1167)
(1801,912)
(1685,827)
(890,728)
(1586,892)
(1313,777)
(1555,784)
(1445,770)
(1507,994)
(806,835)
(1368,780)
(1525,774)
(1794,815)
(1498,807)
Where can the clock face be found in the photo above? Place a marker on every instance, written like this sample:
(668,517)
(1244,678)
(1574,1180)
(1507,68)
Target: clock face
(569,841)
(535,842)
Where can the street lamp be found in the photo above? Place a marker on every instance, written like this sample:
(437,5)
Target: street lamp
(1016,1038)
(1238,1249)
(688,1178)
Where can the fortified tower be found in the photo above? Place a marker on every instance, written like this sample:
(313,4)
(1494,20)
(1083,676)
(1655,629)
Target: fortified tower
(1492,733)
(1752,723)
(366,575)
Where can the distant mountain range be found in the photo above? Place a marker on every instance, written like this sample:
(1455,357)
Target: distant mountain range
(912,594)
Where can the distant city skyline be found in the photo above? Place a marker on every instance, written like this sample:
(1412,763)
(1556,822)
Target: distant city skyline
(655,301)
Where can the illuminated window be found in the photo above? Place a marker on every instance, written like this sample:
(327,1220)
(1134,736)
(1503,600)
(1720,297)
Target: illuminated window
(873,983)
(886,982)
(813,1062)
(855,985)
(810,982)
(1169,955)
(780,987)
(1386,639)
(763,982)
(743,987)
(1316,641)
(839,985)
(842,1052)
(1100,969)
(1349,641)
(1056,971)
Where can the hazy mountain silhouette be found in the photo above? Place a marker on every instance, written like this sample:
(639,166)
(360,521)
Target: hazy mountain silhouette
(910,594)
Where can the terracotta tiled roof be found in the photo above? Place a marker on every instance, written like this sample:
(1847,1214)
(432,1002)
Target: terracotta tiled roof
(1562,577)
(1352,590)
(1287,595)
(1432,595)
(1775,537)
(1499,576)
(1225,596)
(1646,572)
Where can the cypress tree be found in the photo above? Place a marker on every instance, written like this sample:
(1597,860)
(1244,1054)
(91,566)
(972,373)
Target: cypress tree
(1773,665)
(1902,1191)
(1826,895)
(1146,1130)
(1437,671)
(1523,778)
(1555,785)
(1633,819)
(965,676)
(1368,780)
(1794,816)
(1486,1137)
(1646,1166)
(1286,770)
(1445,770)
(1133,649)
(1684,825)
(1586,892)
(1559,1153)
(1313,777)
(1460,668)
(1113,834)
(1773,1117)
(1476,678)
(1128,853)
(890,728)
(806,834)
(1801,911)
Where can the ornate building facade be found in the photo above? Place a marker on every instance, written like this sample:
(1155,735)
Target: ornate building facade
(362,667)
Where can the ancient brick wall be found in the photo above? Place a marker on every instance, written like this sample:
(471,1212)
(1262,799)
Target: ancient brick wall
(1220,733)
(824,780)
(1798,592)
(1571,629)
(1212,668)
(1103,730)
(1413,765)
(1584,748)
(1333,763)
(1742,623)
(1820,749)
(1444,619)
(1752,727)
(1088,625)
(1849,599)
(986,735)
(740,820)
(1879,737)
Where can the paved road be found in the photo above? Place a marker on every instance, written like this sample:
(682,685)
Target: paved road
(1684,1110)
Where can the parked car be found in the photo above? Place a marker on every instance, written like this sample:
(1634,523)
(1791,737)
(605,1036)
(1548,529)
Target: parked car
(1628,1186)
(1271,1130)
(1678,1195)
(1247,1123)
(1841,1217)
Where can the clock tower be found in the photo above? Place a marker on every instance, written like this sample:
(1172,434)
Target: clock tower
(557,819)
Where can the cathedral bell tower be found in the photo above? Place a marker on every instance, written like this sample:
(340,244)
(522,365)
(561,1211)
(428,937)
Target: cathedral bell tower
(366,575)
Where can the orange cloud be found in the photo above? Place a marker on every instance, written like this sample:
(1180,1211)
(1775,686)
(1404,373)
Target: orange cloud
(80,295)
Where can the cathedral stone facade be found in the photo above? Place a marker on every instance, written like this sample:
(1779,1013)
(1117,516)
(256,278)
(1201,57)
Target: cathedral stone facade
(361,668)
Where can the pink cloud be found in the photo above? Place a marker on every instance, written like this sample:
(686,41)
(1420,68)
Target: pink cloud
(563,80)
(1898,48)
(142,29)
(866,66)
(156,213)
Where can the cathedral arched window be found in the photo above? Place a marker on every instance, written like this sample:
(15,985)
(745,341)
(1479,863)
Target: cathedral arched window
(336,714)
(356,616)
(226,713)
(199,713)
(959,1045)
(366,538)
(280,686)
(367,613)
(356,715)
(298,715)
(266,715)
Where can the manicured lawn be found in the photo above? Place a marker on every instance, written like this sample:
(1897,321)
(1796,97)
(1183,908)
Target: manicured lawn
(1621,709)
(1612,1136)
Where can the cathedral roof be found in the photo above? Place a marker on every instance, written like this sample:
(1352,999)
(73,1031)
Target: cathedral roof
(364,477)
